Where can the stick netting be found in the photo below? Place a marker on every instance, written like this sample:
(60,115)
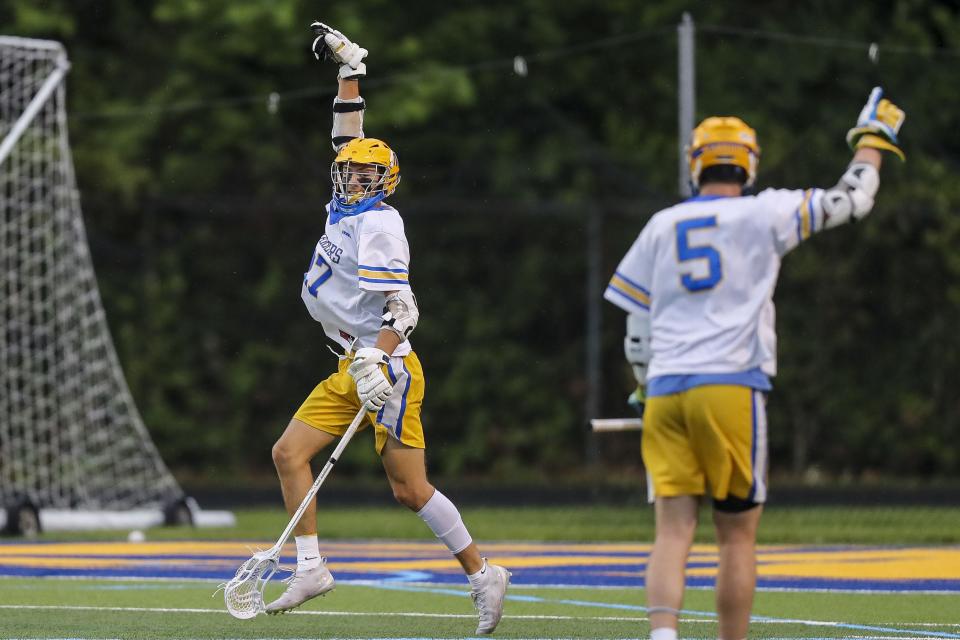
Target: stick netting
(243,595)
(70,433)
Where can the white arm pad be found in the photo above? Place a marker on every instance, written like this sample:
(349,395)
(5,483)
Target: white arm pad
(852,198)
(636,345)
(347,121)
(400,313)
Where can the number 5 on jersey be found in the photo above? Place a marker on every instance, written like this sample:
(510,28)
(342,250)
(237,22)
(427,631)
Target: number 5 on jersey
(319,272)
(687,251)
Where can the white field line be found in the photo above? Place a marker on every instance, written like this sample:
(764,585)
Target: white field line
(848,637)
(407,614)
(417,614)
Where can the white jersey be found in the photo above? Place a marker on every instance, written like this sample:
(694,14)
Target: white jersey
(705,270)
(354,262)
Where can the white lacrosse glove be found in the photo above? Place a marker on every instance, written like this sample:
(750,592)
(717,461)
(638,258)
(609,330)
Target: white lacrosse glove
(878,125)
(636,345)
(330,43)
(372,386)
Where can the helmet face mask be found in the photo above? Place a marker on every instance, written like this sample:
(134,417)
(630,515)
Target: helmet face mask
(354,182)
(364,172)
(724,141)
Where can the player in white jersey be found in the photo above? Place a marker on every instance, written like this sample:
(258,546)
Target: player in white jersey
(357,286)
(698,284)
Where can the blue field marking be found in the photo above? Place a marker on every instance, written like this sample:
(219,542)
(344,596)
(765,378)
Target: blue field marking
(841,568)
(410,576)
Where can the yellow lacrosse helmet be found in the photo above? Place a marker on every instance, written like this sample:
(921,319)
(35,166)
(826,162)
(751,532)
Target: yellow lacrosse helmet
(364,172)
(723,140)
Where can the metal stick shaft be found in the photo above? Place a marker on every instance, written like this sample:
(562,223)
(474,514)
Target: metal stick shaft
(320,478)
(616,424)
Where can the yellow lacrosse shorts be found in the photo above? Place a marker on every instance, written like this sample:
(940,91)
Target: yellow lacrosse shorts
(707,439)
(333,404)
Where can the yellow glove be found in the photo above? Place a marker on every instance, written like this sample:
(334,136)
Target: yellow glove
(878,125)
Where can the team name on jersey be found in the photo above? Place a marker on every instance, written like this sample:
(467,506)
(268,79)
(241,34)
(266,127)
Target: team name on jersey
(333,251)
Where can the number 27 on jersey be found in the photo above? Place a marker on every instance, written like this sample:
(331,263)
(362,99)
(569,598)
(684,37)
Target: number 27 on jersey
(319,272)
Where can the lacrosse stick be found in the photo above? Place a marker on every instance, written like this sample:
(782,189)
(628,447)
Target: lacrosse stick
(604,425)
(243,595)
(321,30)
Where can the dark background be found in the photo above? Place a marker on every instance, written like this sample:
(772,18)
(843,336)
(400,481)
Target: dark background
(203,203)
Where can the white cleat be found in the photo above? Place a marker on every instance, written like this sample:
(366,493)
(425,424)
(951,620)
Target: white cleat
(488,599)
(302,586)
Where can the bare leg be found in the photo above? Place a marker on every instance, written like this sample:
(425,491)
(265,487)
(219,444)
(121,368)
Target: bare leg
(292,454)
(737,574)
(676,524)
(407,472)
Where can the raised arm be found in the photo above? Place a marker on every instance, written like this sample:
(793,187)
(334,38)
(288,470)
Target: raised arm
(348,106)
(876,131)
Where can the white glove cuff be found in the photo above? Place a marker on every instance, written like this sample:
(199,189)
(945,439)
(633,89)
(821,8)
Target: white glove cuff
(349,73)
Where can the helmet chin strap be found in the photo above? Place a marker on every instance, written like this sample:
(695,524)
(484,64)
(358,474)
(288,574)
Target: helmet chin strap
(338,212)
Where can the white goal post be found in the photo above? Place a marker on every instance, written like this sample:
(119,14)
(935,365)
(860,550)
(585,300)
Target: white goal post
(74,451)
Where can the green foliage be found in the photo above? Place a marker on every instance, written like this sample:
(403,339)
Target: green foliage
(203,202)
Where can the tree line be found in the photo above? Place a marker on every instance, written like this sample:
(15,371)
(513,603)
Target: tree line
(200,133)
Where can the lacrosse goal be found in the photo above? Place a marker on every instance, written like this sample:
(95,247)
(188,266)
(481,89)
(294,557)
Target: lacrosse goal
(74,452)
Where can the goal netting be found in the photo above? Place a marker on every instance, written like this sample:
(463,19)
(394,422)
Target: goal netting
(70,434)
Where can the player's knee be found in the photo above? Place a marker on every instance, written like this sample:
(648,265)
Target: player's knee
(412,495)
(677,517)
(404,494)
(679,531)
(284,457)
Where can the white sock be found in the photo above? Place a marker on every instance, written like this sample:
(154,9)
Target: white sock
(445,522)
(308,552)
(477,579)
(663,633)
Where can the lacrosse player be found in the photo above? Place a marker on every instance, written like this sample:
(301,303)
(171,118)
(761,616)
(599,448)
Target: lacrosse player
(357,286)
(698,284)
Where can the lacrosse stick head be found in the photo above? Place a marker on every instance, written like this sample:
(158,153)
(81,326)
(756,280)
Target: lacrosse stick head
(243,595)
(320,48)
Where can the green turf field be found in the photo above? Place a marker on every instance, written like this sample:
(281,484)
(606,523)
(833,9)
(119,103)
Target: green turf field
(806,525)
(50,608)
(175,609)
